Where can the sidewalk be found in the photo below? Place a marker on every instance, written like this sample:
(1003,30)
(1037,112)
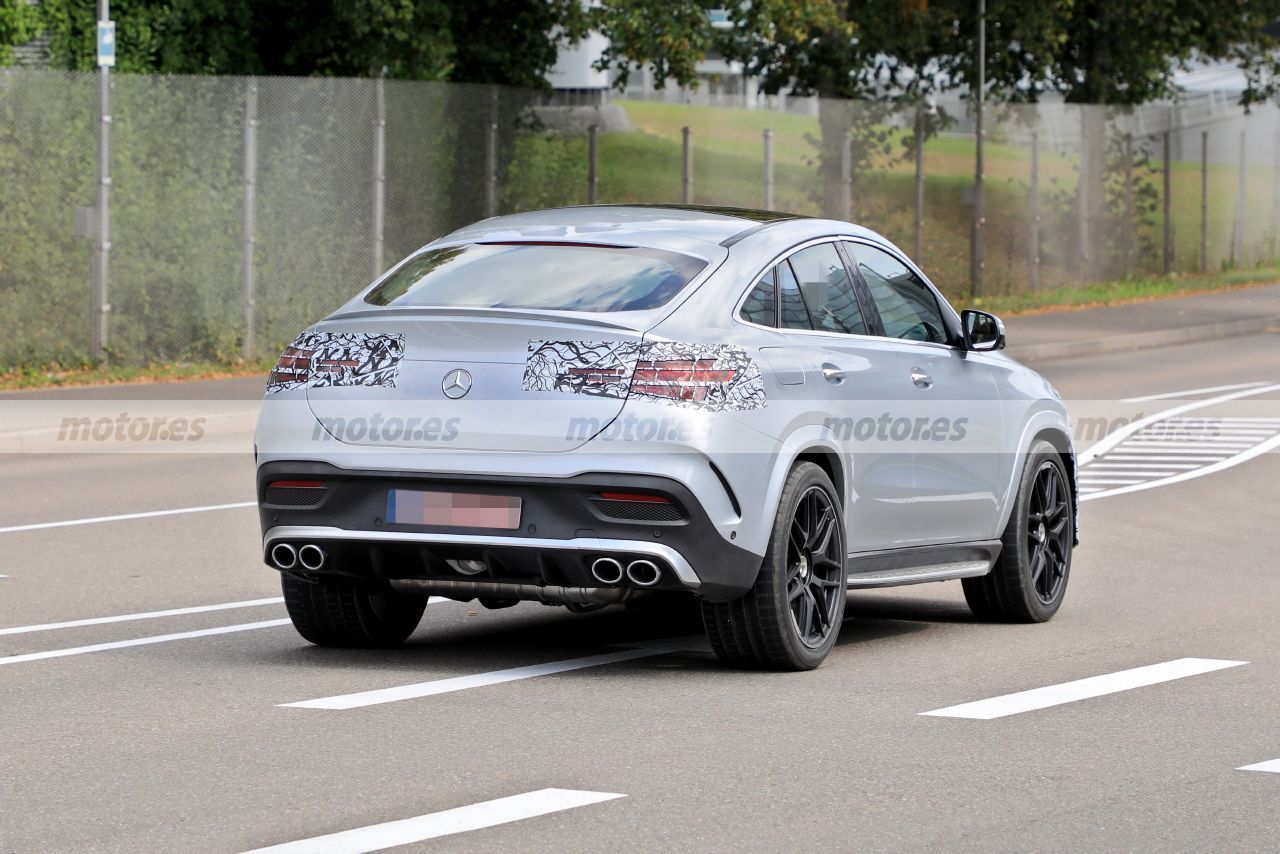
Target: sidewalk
(1137,326)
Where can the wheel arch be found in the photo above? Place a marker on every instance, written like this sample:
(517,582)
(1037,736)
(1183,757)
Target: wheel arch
(1053,426)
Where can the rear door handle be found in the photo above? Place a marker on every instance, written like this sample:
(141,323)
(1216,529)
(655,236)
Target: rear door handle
(833,374)
(920,378)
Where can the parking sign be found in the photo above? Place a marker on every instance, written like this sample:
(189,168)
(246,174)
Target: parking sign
(106,44)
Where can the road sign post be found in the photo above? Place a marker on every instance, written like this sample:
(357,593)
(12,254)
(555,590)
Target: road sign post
(102,270)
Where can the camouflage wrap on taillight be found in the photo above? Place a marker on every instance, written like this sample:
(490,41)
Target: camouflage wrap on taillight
(714,377)
(341,359)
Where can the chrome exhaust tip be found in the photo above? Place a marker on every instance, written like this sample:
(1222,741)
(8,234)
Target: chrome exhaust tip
(284,556)
(643,573)
(606,570)
(311,556)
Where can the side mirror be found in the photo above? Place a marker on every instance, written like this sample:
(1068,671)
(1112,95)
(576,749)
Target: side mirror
(982,331)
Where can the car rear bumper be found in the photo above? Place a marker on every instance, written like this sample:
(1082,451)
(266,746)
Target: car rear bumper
(564,527)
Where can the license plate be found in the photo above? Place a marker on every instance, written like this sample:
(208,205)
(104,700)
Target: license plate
(453,509)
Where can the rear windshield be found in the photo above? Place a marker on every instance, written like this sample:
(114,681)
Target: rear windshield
(558,277)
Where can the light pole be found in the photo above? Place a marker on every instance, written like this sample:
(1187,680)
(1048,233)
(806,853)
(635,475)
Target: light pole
(975,249)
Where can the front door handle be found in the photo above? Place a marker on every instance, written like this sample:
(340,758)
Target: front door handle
(921,379)
(833,374)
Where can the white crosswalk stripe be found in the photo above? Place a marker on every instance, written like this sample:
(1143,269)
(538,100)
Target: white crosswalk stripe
(1160,451)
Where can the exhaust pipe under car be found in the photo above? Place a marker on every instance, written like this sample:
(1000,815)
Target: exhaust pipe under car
(643,573)
(284,556)
(311,556)
(606,570)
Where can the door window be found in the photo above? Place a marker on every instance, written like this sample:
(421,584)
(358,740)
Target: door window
(908,308)
(794,314)
(827,290)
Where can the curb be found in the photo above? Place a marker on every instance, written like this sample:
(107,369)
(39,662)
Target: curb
(1142,340)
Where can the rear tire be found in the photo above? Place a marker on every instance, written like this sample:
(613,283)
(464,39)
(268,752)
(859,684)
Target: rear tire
(340,612)
(790,618)
(1028,582)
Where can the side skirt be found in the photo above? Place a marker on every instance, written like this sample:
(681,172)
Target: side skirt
(921,564)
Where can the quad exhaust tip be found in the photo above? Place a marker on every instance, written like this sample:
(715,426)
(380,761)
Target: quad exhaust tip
(311,556)
(284,556)
(643,573)
(606,570)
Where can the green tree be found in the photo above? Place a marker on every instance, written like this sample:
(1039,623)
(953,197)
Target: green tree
(17,24)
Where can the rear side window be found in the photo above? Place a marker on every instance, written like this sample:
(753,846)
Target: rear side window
(551,276)
(908,309)
(760,305)
(828,291)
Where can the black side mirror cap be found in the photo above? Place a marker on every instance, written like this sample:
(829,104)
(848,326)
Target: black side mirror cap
(983,332)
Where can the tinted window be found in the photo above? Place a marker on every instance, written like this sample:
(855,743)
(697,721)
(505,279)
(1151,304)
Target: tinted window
(794,314)
(541,276)
(760,303)
(908,309)
(827,290)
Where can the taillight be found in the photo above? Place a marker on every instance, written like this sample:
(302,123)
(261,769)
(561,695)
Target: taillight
(679,379)
(293,366)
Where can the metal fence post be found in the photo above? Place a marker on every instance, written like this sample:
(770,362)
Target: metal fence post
(102,266)
(250,211)
(686,178)
(1035,212)
(379,175)
(1168,212)
(1204,201)
(846,178)
(979,208)
(593,164)
(919,241)
(1237,244)
(1128,205)
(491,158)
(768,169)
(1275,197)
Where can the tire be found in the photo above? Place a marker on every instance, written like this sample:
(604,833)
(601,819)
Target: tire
(342,613)
(790,618)
(1028,582)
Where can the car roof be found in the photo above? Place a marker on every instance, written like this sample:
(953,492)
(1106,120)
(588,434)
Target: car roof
(617,223)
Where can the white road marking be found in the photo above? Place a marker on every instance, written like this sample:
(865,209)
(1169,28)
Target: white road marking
(1273,766)
(1163,458)
(100,647)
(145,615)
(1108,481)
(1082,689)
(1221,465)
(1096,471)
(147,641)
(417,690)
(150,514)
(1143,466)
(377,837)
(1173,395)
(1182,445)
(1114,438)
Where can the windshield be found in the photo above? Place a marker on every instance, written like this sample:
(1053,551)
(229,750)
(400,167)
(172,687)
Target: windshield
(553,276)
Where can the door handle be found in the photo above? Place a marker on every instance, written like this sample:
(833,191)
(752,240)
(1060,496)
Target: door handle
(833,375)
(920,378)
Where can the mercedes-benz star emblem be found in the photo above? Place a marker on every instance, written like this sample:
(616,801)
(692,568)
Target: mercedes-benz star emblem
(456,384)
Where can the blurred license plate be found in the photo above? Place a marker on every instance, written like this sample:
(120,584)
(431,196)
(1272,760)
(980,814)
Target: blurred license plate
(453,509)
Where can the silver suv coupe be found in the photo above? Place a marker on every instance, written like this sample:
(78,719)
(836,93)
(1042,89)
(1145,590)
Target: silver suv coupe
(591,405)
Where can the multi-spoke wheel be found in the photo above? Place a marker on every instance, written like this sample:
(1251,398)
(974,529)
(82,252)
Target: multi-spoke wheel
(1029,580)
(790,619)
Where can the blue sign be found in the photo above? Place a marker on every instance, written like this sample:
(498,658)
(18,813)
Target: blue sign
(106,44)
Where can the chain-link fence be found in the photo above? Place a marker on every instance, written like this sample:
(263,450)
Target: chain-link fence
(244,209)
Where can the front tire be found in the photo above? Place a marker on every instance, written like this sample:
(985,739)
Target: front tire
(340,612)
(1028,582)
(790,618)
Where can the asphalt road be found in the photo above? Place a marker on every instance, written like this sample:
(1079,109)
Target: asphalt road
(180,742)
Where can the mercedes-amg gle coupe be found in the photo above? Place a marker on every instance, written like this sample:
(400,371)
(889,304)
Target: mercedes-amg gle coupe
(591,405)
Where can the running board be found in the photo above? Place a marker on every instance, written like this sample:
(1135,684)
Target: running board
(920,574)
